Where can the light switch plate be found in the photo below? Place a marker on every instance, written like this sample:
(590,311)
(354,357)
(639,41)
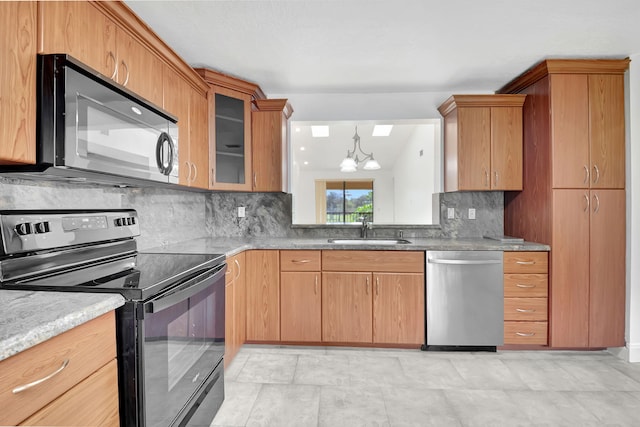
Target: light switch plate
(241,212)
(451,213)
(472,213)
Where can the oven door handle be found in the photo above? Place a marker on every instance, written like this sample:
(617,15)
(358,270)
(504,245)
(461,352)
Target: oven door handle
(200,283)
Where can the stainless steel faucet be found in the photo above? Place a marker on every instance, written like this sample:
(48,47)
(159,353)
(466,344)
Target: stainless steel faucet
(366,225)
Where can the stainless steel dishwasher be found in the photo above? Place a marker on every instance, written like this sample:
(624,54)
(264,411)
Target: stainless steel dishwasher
(465,300)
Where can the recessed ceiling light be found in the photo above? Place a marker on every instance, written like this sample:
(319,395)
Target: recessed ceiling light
(320,131)
(382,130)
(301,148)
(297,129)
(306,163)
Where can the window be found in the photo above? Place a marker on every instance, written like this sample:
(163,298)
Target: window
(347,201)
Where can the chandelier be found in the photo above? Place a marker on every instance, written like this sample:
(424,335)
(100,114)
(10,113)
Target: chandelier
(352,161)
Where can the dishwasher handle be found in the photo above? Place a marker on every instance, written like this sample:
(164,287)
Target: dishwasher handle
(464,261)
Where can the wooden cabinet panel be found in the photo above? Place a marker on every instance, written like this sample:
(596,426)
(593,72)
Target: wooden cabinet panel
(532,333)
(298,260)
(176,102)
(606,130)
(138,68)
(270,144)
(569,304)
(82,31)
(18,34)
(86,348)
(239,300)
(93,402)
(398,308)
(525,309)
(300,305)
(607,268)
(506,148)
(229,319)
(346,307)
(474,148)
(199,139)
(378,261)
(525,262)
(569,98)
(526,285)
(263,295)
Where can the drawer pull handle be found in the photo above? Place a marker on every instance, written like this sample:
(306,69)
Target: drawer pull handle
(524,285)
(525,334)
(300,261)
(522,310)
(525,262)
(41,380)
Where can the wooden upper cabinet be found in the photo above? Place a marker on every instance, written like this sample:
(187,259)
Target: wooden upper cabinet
(80,30)
(191,108)
(270,144)
(18,34)
(483,142)
(606,131)
(139,69)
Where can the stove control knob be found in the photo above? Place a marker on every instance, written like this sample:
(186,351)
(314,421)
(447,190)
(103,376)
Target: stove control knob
(119,222)
(42,227)
(24,229)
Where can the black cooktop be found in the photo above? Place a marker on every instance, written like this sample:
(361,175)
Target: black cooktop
(137,276)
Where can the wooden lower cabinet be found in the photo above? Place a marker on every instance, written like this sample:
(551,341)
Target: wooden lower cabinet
(526,298)
(347,310)
(83,392)
(300,306)
(263,295)
(398,308)
(235,308)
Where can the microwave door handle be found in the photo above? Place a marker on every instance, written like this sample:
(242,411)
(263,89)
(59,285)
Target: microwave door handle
(165,140)
(165,301)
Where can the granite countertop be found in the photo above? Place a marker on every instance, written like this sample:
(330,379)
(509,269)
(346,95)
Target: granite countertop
(29,318)
(232,246)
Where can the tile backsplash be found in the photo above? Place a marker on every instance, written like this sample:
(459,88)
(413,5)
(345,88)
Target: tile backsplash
(170,215)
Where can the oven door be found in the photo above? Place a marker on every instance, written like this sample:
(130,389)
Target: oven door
(183,344)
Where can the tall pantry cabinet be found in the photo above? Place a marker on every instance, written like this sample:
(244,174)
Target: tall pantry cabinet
(574,196)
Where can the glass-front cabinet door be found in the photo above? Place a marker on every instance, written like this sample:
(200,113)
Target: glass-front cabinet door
(231,167)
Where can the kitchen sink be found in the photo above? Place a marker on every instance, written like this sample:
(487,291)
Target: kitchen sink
(369,241)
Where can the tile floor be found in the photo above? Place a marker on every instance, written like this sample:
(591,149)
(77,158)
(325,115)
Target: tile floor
(303,386)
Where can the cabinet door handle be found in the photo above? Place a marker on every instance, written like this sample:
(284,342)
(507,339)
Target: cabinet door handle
(255,180)
(596,178)
(586,199)
(525,262)
(495,175)
(586,175)
(367,288)
(22,388)
(300,261)
(126,67)
(186,164)
(377,285)
(525,334)
(213,176)
(523,310)
(115,64)
(596,205)
(237,265)
(486,178)
(316,285)
(524,285)
(195,171)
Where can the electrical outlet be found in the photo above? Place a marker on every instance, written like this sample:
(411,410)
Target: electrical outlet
(451,213)
(241,212)
(472,213)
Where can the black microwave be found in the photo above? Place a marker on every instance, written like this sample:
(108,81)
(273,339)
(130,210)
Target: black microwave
(91,129)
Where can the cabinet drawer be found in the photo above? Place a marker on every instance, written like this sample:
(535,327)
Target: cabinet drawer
(525,262)
(86,348)
(299,260)
(534,333)
(525,309)
(93,402)
(526,285)
(373,261)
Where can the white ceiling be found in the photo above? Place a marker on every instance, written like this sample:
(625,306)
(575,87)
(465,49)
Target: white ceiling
(381,46)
